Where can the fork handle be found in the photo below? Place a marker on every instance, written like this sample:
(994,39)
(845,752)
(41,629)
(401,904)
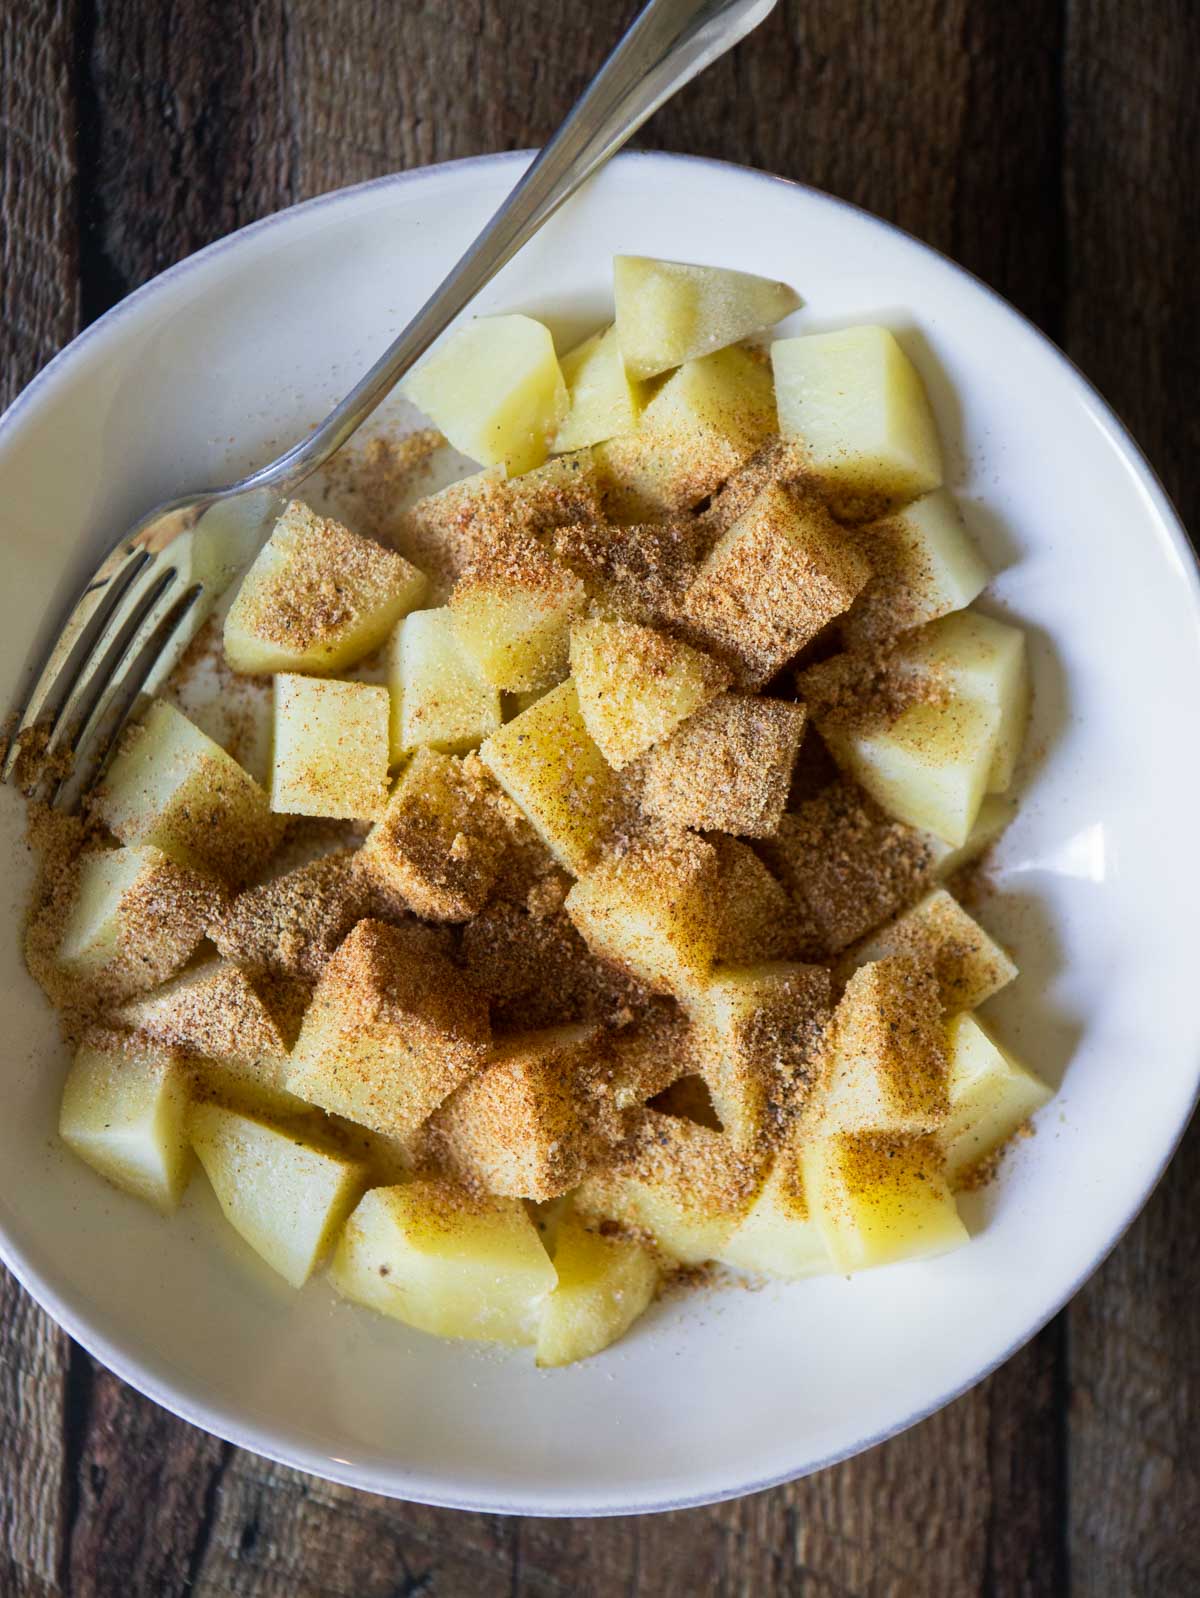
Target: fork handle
(668,43)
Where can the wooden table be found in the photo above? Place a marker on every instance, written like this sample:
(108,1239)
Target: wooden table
(1052,148)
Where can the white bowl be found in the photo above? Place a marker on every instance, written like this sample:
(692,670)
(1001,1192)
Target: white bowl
(224,358)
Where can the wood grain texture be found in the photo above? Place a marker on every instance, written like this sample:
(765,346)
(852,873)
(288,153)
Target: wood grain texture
(1052,149)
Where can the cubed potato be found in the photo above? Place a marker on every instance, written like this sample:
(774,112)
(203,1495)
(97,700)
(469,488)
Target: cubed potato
(604,1285)
(438,846)
(287,1195)
(846,865)
(683,1185)
(331,748)
(992,1095)
(512,614)
(924,564)
(642,572)
(995,814)
(877,1200)
(137,917)
(650,911)
(603,399)
(317,597)
(937,932)
(439,700)
(290,925)
(495,389)
(728,768)
(213,1009)
(669,312)
(779,1236)
(782,572)
(171,786)
(636,685)
(857,403)
(754,915)
(392,1030)
(758,1039)
(705,420)
(886,1064)
(777,461)
(447,1261)
(522,1127)
(548,764)
(124,1110)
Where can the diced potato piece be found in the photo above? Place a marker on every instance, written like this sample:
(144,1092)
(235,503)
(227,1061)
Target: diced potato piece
(758,1036)
(779,1236)
(138,916)
(642,572)
(495,389)
(682,1183)
(771,583)
(995,813)
(392,1030)
(331,748)
(636,685)
(123,1111)
(650,911)
(287,1195)
(706,419)
(877,1200)
(669,312)
(992,1095)
(212,1009)
(548,764)
(984,661)
(317,597)
(858,404)
(754,915)
(522,1126)
(512,614)
(846,865)
(439,700)
(778,461)
(727,768)
(604,1284)
(171,786)
(604,399)
(924,565)
(886,1071)
(937,932)
(255,1087)
(438,846)
(289,926)
(447,1261)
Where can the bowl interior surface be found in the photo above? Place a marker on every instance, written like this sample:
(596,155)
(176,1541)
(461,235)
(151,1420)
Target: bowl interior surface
(218,364)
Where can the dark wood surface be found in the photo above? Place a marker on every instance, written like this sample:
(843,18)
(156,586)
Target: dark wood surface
(1050,145)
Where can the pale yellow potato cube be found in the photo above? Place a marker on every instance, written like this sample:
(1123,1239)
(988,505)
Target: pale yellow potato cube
(495,390)
(604,1285)
(779,1236)
(332,748)
(924,564)
(604,399)
(967,964)
(995,814)
(877,1200)
(287,1195)
(992,1095)
(439,700)
(669,312)
(317,597)
(649,911)
(124,1109)
(392,1030)
(857,403)
(171,786)
(512,613)
(447,1261)
(886,1067)
(636,685)
(706,419)
(548,764)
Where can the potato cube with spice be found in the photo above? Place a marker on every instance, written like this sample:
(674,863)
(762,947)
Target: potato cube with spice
(604,399)
(439,700)
(967,964)
(727,768)
(772,582)
(317,598)
(291,924)
(331,748)
(636,685)
(755,918)
(214,1010)
(512,613)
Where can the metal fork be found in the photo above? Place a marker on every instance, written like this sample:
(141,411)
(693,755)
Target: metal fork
(149,597)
